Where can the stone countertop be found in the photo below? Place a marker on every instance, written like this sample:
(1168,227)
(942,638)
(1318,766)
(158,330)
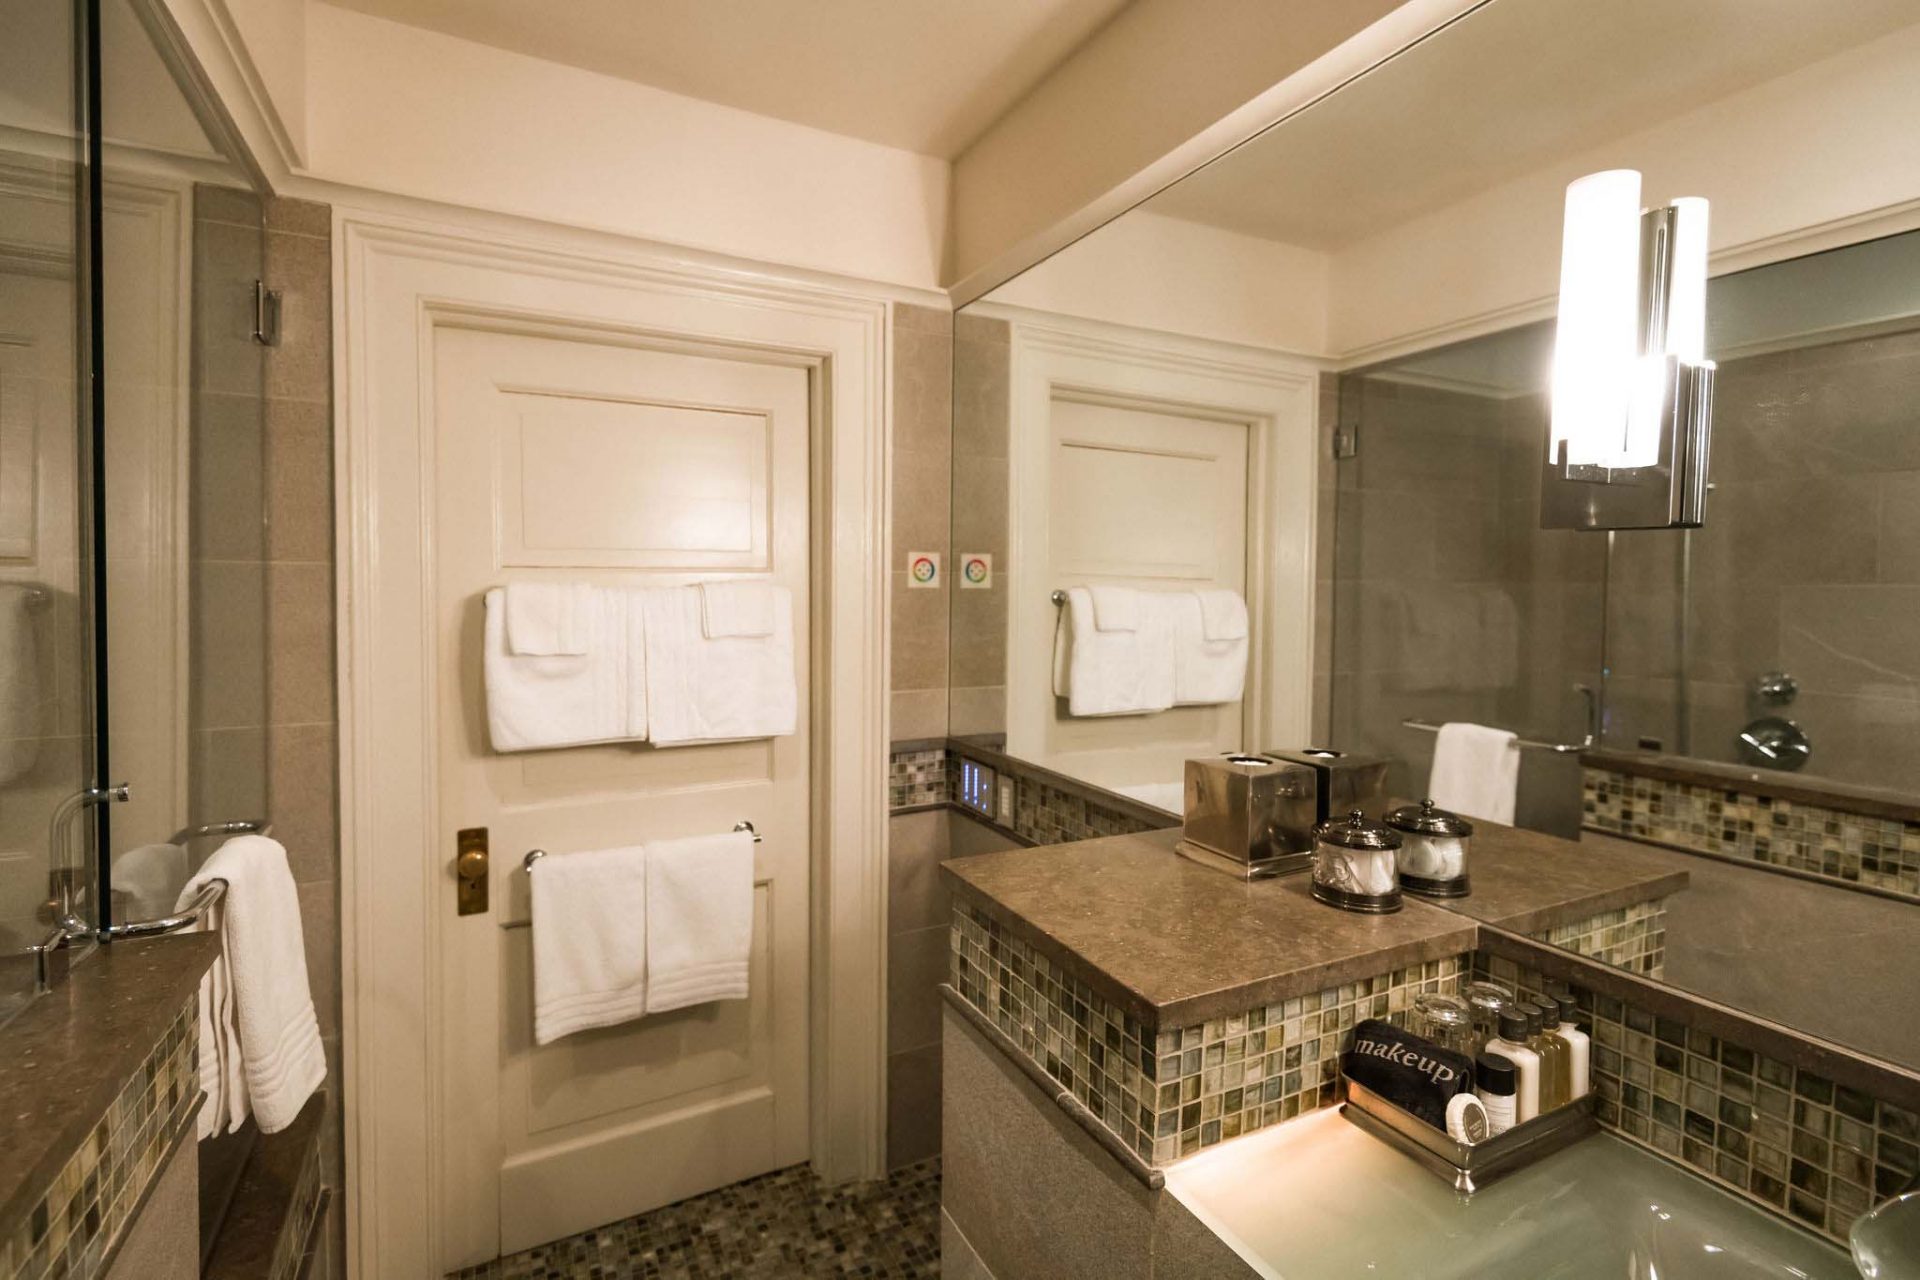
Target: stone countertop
(1174,943)
(69,1053)
(1527,882)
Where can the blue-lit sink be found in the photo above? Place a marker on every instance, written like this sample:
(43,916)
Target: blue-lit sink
(1318,1199)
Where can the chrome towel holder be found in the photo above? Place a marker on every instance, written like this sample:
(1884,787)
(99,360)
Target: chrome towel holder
(534,855)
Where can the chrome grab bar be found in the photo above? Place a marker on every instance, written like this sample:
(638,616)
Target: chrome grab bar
(1530,744)
(534,855)
(238,827)
(191,914)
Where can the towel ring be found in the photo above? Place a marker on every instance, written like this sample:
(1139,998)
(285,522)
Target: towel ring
(534,855)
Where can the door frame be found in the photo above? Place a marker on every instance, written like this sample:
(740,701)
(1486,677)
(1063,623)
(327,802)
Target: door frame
(396,279)
(1275,393)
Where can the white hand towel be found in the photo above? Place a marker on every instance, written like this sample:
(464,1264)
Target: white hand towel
(736,609)
(1223,614)
(1476,772)
(731,687)
(1208,669)
(589,940)
(566,700)
(1107,673)
(699,919)
(548,619)
(21,694)
(1116,608)
(223,1087)
(281,1059)
(150,875)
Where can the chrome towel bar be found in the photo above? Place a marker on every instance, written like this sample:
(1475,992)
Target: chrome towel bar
(534,855)
(188,915)
(1530,744)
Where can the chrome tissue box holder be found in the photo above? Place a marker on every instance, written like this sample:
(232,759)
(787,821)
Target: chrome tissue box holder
(1469,1166)
(1249,815)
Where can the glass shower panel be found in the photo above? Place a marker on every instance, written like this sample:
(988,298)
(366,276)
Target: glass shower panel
(47,759)
(1785,632)
(1450,603)
(183,248)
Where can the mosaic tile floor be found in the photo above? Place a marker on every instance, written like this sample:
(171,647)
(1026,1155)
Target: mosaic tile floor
(779,1225)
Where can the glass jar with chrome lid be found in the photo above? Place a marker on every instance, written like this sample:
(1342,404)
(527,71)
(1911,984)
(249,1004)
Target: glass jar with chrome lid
(1355,865)
(1433,853)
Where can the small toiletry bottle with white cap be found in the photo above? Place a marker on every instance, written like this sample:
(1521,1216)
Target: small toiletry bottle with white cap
(1495,1083)
(1511,1044)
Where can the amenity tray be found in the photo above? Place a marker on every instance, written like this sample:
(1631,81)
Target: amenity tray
(1468,1167)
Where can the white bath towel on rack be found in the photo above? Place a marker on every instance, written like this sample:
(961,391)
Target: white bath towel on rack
(21,693)
(1107,672)
(589,940)
(699,919)
(265,963)
(1476,771)
(702,688)
(549,619)
(537,701)
(1209,646)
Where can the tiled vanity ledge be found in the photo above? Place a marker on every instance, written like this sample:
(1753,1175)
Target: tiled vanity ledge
(1605,902)
(98,1088)
(1176,1006)
(1859,837)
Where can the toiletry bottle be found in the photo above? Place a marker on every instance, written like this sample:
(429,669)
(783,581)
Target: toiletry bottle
(1486,1000)
(1511,1044)
(1495,1083)
(1553,1055)
(1579,1050)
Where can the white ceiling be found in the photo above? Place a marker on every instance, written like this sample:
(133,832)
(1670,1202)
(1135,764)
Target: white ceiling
(927,75)
(1506,90)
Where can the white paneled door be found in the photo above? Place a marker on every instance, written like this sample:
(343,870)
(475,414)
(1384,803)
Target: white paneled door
(575,457)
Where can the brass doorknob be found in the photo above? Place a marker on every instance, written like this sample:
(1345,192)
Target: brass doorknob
(472,864)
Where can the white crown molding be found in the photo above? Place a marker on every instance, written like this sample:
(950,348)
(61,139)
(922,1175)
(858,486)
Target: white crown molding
(201,45)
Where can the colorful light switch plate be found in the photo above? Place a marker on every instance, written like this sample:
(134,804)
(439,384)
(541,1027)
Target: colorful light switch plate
(923,569)
(976,571)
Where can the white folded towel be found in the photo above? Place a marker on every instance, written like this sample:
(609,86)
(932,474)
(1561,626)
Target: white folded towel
(589,940)
(150,875)
(1106,673)
(1116,608)
(1476,772)
(699,919)
(546,619)
(736,609)
(223,1085)
(720,689)
(262,952)
(22,694)
(1208,669)
(566,700)
(1223,614)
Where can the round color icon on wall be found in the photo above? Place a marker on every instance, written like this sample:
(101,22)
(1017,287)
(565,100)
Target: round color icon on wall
(923,569)
(976,571)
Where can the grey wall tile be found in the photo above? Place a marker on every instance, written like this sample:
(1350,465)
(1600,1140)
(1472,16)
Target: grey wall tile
(913,1106)
(916,966)
(917,843)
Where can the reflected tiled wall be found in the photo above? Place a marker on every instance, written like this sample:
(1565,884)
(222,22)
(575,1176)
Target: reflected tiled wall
(1809,562)
(1450,602)
(922,483)
(982,371)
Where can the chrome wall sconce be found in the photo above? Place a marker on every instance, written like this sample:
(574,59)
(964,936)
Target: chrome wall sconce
(1632,387)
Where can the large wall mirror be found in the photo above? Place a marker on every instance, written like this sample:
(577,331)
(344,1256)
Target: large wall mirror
(1316,374)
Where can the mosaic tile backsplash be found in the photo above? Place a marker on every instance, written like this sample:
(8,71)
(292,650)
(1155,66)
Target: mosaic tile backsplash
(1044,812)
(94,1197)
(1632,938)
(1792,1140)
(1170,1091)
(1849,848)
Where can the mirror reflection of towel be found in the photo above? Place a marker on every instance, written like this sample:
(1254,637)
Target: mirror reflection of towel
(19,682)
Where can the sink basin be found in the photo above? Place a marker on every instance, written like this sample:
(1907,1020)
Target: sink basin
(1318,1199)
(1886,1242)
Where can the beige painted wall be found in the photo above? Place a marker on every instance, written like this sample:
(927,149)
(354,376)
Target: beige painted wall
(1151,271)
(1826,146)
(397,109)
(1154,78)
